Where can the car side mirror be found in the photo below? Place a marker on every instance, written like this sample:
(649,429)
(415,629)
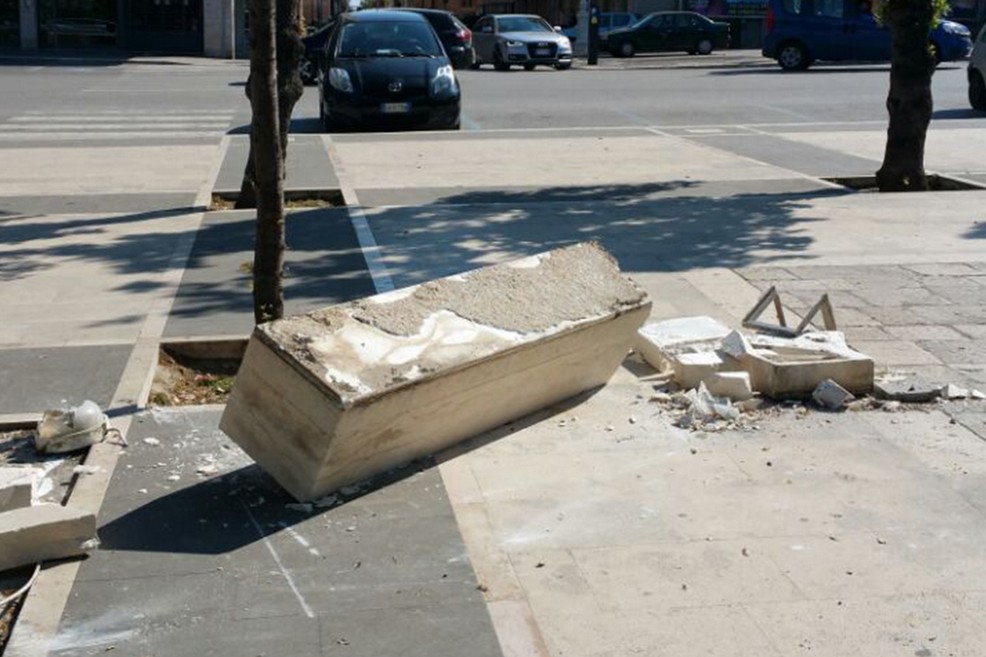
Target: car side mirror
(557,28)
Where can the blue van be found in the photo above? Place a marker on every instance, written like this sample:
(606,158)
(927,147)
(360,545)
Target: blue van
(799,32)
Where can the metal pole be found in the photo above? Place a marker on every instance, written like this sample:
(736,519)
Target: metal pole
(581,48)
(232,29)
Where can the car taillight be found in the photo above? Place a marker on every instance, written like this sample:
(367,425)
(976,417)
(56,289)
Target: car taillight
(770,18)
(464,35)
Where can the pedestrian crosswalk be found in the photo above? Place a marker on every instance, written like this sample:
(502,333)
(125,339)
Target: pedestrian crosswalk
(102,125)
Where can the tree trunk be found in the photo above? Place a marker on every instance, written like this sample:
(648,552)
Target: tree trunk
(268,165)
(909,102)
(289,90)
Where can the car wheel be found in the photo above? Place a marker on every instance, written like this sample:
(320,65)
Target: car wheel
(307,69)
(704,47)
(627,49)
(498,62)
(793,57)
(529,67)
(563,67)
(977,91)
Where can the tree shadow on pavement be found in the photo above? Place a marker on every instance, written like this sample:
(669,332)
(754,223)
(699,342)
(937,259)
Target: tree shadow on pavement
(668,230)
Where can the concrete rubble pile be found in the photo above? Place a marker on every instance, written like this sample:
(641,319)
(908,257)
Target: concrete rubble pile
(724,371)
(330,398)
(31,532)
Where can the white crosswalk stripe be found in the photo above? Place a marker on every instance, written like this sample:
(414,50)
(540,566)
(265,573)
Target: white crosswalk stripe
(67,125)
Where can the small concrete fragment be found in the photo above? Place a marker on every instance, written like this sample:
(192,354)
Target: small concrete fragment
(15,487)
(910,389)
(831,395)
(732,385)
(659,342)
(44,532)
(341,394)
(691,369)
(952,391)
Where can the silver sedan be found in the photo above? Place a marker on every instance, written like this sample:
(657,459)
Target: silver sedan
(525,40)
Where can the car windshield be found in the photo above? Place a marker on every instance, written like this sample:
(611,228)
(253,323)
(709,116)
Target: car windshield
(388,39)
(523,24)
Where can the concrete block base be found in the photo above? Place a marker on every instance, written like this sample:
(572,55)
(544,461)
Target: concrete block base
(333,397)
(44,532)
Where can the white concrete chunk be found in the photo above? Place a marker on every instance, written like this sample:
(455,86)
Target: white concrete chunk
(15,487)
(657,342)
(734,385)
(44,532)
(690,369)
(332,397)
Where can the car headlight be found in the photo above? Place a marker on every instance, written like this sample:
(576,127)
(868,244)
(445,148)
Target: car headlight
(339,80)
(515,44)
(564,44)
(444,83)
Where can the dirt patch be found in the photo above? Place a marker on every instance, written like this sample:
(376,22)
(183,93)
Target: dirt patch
(936,183)
(183,380)
(293,198)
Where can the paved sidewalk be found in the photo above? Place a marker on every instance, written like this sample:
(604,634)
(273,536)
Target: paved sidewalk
(594,528)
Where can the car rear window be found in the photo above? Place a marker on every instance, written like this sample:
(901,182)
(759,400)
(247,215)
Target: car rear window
(830,8)
(441,21)
(388,39)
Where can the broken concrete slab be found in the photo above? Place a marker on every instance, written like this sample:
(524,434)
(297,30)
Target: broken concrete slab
(793,367)
(15,487)
(44,532)
(733,385)
(656,339)
(910,389)
(831,395)
(335,396)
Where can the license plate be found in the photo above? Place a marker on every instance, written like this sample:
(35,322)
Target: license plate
(395,108)
(542,52)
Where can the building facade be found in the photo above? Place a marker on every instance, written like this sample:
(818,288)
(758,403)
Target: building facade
(215,28)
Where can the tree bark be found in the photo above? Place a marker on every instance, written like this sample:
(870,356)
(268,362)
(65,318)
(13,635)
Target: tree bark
(268,165)
(289,90)
(909,102)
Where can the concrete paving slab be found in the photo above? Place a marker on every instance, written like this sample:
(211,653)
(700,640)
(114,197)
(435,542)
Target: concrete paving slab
(807,159)
(523,162)
(32,380)
(71,279)
(613,193)
(95,203)
(806,514)
(385,568)
(495,135)
(106,170)
(324,266)
(307,167)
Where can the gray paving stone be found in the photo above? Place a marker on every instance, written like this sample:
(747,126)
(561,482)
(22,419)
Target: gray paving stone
(899,295)
(875,274)
(895,353)
(957,352)
(95,203)
(380,571)
(972,330)
(789,154)
(307,167)
(32,380)
(854,333)
(766,275)
(323,266)
(950,315)
(943,269)
(924,332)
(963,295)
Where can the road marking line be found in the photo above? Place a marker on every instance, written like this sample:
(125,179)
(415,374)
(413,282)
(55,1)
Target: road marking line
(382,281)
(277,559)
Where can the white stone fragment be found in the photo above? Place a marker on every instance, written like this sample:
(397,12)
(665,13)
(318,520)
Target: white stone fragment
(732,385)
(831,395)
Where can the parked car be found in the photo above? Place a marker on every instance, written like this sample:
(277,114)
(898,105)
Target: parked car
(315,42)
(669,30)
(607,23)
(799,32)
(527,40)
(977,72)
(456,38)
(387,69)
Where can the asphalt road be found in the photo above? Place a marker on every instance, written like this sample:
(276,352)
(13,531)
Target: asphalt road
(207,99)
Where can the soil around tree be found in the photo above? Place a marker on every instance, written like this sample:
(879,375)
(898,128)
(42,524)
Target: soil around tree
(181,380)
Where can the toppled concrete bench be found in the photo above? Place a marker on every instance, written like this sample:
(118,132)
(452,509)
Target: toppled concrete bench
(335,396)
(44,532)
